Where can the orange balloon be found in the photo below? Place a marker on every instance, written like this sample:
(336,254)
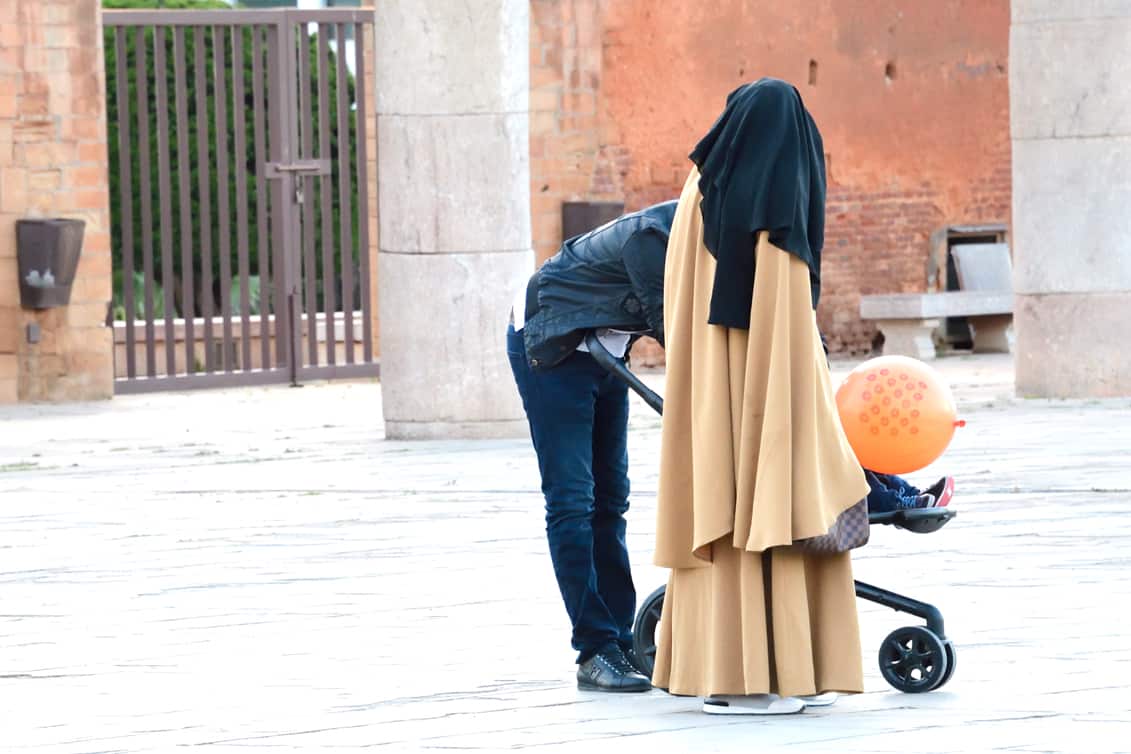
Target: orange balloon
(898,414)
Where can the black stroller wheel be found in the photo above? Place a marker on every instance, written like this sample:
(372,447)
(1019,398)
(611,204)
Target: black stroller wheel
(913,660)
(951,663)
(644,632)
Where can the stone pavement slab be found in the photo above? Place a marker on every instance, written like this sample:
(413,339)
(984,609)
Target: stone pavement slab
(260,570)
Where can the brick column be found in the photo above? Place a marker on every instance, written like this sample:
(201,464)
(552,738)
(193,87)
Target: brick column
(53,164)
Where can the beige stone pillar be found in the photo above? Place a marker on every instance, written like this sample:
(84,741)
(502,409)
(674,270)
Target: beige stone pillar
(1070,111)
(454,176)
(53,164)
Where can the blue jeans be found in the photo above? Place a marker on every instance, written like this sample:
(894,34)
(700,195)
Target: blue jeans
(889,492)
(578,415)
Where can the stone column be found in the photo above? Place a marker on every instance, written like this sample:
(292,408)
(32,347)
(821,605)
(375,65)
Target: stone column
(1070,111)
(454,176)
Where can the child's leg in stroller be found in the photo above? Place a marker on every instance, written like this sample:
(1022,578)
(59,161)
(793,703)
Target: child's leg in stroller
(940,492)
(882,498)
(901,485)
(890,492)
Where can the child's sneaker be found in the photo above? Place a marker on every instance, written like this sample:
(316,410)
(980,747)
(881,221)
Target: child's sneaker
(910,502)
(942,491)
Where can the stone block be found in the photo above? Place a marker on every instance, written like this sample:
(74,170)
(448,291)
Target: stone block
(983,267)
(92,151)
(454,184)
(471,62)
(9,105)
(96,199)
(11,330)
(93,263)
(89,289)
(479,430)
(9,280)
(45,181)
(933,305)
(85,176)
(993,334)
(93,366)
(1069,78)
(1073,345)
(86,315)
(909,320)
(444,369)
(909,337)
(11,34)
(88,127)
(67,387)
(9,392)
(89,339)
(13,190)
(1077,245)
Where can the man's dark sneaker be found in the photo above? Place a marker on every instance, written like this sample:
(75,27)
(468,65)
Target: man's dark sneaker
(636,662)
(610,670)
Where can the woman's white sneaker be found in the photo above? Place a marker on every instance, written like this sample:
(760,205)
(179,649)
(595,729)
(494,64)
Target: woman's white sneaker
(752,704)
(820,700)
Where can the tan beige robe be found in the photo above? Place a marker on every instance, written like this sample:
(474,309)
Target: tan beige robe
(753,458)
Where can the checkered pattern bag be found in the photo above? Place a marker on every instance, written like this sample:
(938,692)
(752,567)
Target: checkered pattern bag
(848,532)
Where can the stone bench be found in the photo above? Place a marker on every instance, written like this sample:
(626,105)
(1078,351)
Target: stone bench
(908,320)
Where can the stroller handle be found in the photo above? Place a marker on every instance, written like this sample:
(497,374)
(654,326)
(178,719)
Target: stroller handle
(617,366)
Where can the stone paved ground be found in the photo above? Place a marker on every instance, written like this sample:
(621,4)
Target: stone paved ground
(259,569)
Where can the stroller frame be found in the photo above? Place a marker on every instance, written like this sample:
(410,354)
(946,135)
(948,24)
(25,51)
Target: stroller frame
(912,659)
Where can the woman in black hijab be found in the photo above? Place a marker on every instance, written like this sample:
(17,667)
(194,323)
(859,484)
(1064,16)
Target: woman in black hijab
(761,168)
(753,455)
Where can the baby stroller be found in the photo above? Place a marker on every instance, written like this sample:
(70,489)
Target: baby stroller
(913,659)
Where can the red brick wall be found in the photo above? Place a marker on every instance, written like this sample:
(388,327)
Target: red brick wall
(567,159)
(53,163)
(912,100)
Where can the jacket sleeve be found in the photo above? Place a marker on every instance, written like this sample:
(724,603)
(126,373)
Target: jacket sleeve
(644,261)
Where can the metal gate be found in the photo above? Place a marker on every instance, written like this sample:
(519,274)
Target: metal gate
(240,190)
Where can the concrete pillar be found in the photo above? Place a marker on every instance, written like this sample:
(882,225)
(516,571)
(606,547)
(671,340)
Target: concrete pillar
(454,176)
(1070,112)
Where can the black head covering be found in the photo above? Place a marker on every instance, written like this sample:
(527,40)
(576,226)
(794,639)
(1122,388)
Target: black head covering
(762,167)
